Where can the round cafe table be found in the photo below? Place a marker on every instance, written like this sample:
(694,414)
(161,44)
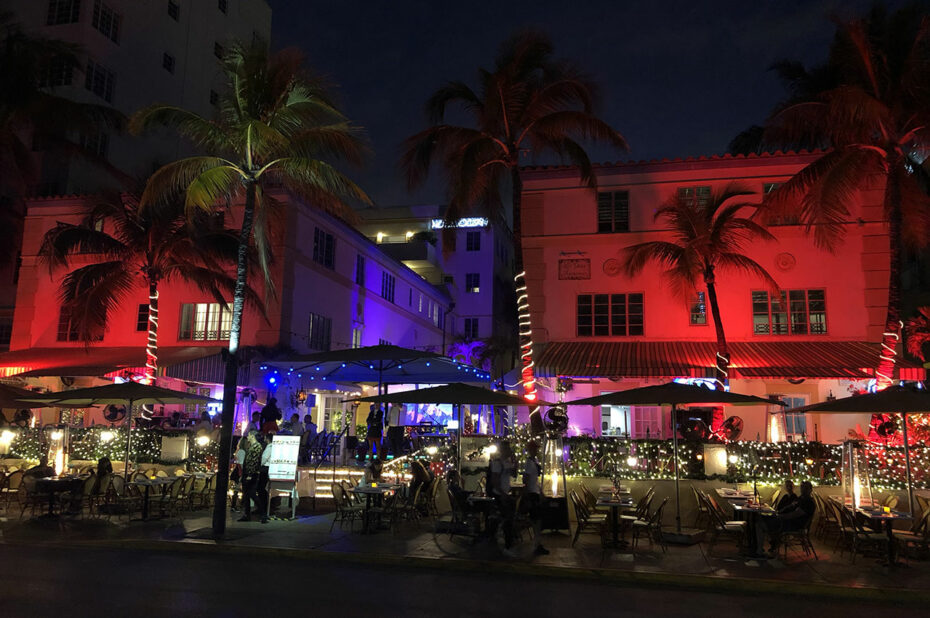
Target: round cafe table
(53,485)
(371,492)
(615,505)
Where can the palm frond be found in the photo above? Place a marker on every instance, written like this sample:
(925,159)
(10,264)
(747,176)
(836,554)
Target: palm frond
(176,177)
(90,292)
(457,92)
(745,264)
(65,240)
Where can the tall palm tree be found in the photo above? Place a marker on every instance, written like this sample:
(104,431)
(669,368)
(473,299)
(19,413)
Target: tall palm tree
(529,103)
(132,246)
(32,67)
(874,113)
(706,238)
(275,126)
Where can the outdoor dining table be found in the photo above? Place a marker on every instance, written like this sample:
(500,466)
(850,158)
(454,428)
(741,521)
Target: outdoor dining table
(751,514)
(878,515)
(158,481)
(615,505)
(55,485)
(370,492)
(734,494)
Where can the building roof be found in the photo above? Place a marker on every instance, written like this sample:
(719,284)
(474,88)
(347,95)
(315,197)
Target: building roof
(749,359)
(726,160)
(93,361)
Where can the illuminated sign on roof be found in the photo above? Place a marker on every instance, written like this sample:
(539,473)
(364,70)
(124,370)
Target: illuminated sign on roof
(438,224)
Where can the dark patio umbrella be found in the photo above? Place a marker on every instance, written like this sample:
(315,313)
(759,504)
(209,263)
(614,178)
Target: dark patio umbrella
(901,400)
(380,364)
(674,395)
(130,393)
(456,394)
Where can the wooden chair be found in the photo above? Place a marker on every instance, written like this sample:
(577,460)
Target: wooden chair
(170,502)
(891,501)
(345,511)
(11,487)
(651,528)
(722,527)
(801,538)
(585,520)
(918,536)
(859,538)
(701,515)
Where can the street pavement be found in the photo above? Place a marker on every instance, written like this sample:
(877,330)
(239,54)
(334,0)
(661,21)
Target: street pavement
(186,580)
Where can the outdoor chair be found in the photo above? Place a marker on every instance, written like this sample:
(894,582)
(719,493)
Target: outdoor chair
(11,486)
(431,509)
(345,511)
(161,473)
(701,515)
(922,503)
(461,519)
(585,520)
(590,500)
(29,498)
(118,499)
(203,495)
(722,527)
(858,538)
(827,525)
(800,538)
(88,497)
(651,528)
(918,536)
(776,495)
(170,500)
(891,501)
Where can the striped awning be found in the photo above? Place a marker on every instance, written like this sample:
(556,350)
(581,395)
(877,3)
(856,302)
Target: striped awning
(749,359)
(93,360)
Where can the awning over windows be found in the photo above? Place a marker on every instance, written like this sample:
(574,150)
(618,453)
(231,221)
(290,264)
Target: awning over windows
(749,359)
(93,361)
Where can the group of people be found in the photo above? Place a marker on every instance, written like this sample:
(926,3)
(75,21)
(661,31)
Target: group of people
(395,420)
(792,513)
(502,469)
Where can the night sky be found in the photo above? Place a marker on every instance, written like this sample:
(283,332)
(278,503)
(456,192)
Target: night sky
(678,78)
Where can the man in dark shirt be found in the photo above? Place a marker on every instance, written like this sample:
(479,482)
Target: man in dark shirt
(793,517)
(787,499)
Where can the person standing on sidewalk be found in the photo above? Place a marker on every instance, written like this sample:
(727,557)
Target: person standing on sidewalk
(251,469)
(501,469)
(263,478)
(375,422)
(395,432)
(532,495)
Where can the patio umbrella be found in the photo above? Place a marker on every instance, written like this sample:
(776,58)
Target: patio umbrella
(673,394)
(130,393)
(456,394)
(899,399)
(380,364)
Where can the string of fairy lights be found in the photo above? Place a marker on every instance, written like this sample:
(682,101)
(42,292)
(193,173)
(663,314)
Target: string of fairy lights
(617,458)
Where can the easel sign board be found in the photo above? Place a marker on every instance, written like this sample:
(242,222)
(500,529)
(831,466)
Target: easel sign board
(283,464)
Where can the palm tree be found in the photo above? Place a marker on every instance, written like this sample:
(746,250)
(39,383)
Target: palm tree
(530,102)
(32,66)
(874,113)
(145,246)
(274,124)
(917,329)
(706,237)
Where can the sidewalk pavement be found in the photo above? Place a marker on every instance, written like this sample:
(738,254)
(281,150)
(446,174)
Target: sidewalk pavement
(417,545)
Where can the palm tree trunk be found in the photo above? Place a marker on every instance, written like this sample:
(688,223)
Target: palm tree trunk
(232,366)
(722,365)
(885,373)
(151,343)
(524,326)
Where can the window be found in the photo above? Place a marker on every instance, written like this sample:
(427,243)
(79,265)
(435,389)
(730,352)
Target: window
(795,427)
(471,328)
(218,50)
(324,248)
(57,72)
(613,212)
(472,283)
(100,81)
(359,269)
(6,331)
(204,322)
(699,311)
(410,297)
(167,63)
(174,10)
(421,303)
(387,286)
(142,318)
(319,332)
(63,12)
(601,315)
(796,312)
(473,241)
(195,409)
(214,97)
(699,196)
(97,143)
(222,5)
(107,21)
(67,329)
(437,315)
(636,422)
(357,337)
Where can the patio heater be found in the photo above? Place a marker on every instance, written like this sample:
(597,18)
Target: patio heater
(58,448)
(856,484)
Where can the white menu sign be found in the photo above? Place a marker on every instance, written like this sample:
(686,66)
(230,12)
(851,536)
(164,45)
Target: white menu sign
(283,464)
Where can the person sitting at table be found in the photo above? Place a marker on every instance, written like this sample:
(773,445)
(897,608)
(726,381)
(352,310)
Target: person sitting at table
(205,424)
(38,471)
(787,499)
(292,427)
(373,470)
(794,517)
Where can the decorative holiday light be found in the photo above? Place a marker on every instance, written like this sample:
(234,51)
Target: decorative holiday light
(890,354)
(203,441)
(525,332)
